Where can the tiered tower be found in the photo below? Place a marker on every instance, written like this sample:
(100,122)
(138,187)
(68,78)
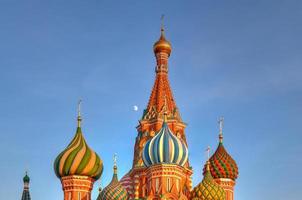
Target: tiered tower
(26,194)
(161,103)
(223,167)
(78,167)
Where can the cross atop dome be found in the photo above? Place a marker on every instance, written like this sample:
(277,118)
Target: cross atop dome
(79,118)
(162,46)
(221,124)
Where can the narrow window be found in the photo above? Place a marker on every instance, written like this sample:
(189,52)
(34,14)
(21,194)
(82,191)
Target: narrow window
(144,191)
(168,184)
(156,184)
(177,184)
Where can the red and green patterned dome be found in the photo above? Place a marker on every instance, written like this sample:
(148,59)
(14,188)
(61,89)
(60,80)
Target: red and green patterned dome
(208,189)
(222,165)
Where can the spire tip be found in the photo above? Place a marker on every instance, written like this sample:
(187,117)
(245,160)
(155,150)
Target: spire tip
(79,118)
(208,158)
(162,23)
(115,164)
(221,124)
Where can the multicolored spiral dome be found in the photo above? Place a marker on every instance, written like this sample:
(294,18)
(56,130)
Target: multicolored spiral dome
(78,159)
(165,147)
(113,191)
(222,165)
(208,189)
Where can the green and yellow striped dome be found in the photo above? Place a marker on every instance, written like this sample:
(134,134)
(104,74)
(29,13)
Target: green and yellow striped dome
(208,189)
(78,159)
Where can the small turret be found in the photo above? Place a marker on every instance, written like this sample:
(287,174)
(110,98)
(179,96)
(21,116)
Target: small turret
(208,189)
(26,194)
(113,191)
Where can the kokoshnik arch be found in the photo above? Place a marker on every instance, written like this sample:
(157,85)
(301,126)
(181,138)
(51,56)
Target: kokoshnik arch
(161,167)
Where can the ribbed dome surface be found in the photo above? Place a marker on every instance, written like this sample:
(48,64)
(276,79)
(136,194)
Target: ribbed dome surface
(165,147)
(222,165)
(208,189)
(114,191)
(78,159)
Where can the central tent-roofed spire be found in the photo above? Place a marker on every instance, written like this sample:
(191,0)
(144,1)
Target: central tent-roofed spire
(161,90)
(161,119)
(161,102)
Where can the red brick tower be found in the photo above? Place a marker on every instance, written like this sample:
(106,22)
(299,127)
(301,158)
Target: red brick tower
(161,102)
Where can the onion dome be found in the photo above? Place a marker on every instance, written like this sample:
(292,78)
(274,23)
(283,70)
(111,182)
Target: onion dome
(162,45)
(26,178)
(78,158)
(208,189)
(222,165)
(166,148)
(113,191)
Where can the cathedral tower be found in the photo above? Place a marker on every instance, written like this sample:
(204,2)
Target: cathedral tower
(223,167)
(25,194)
(78,167)
(161,105)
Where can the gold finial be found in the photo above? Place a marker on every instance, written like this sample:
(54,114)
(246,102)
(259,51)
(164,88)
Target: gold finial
(208,152)
(162,45)
(115,163)
(115,159)
(79,119)
(208,158)
(221,124)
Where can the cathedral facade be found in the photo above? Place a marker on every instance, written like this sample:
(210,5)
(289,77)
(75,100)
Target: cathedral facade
(161,167)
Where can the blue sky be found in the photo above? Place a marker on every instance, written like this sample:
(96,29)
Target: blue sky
(239,59)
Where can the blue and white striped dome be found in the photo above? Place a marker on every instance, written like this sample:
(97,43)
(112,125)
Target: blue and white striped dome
(165,147)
